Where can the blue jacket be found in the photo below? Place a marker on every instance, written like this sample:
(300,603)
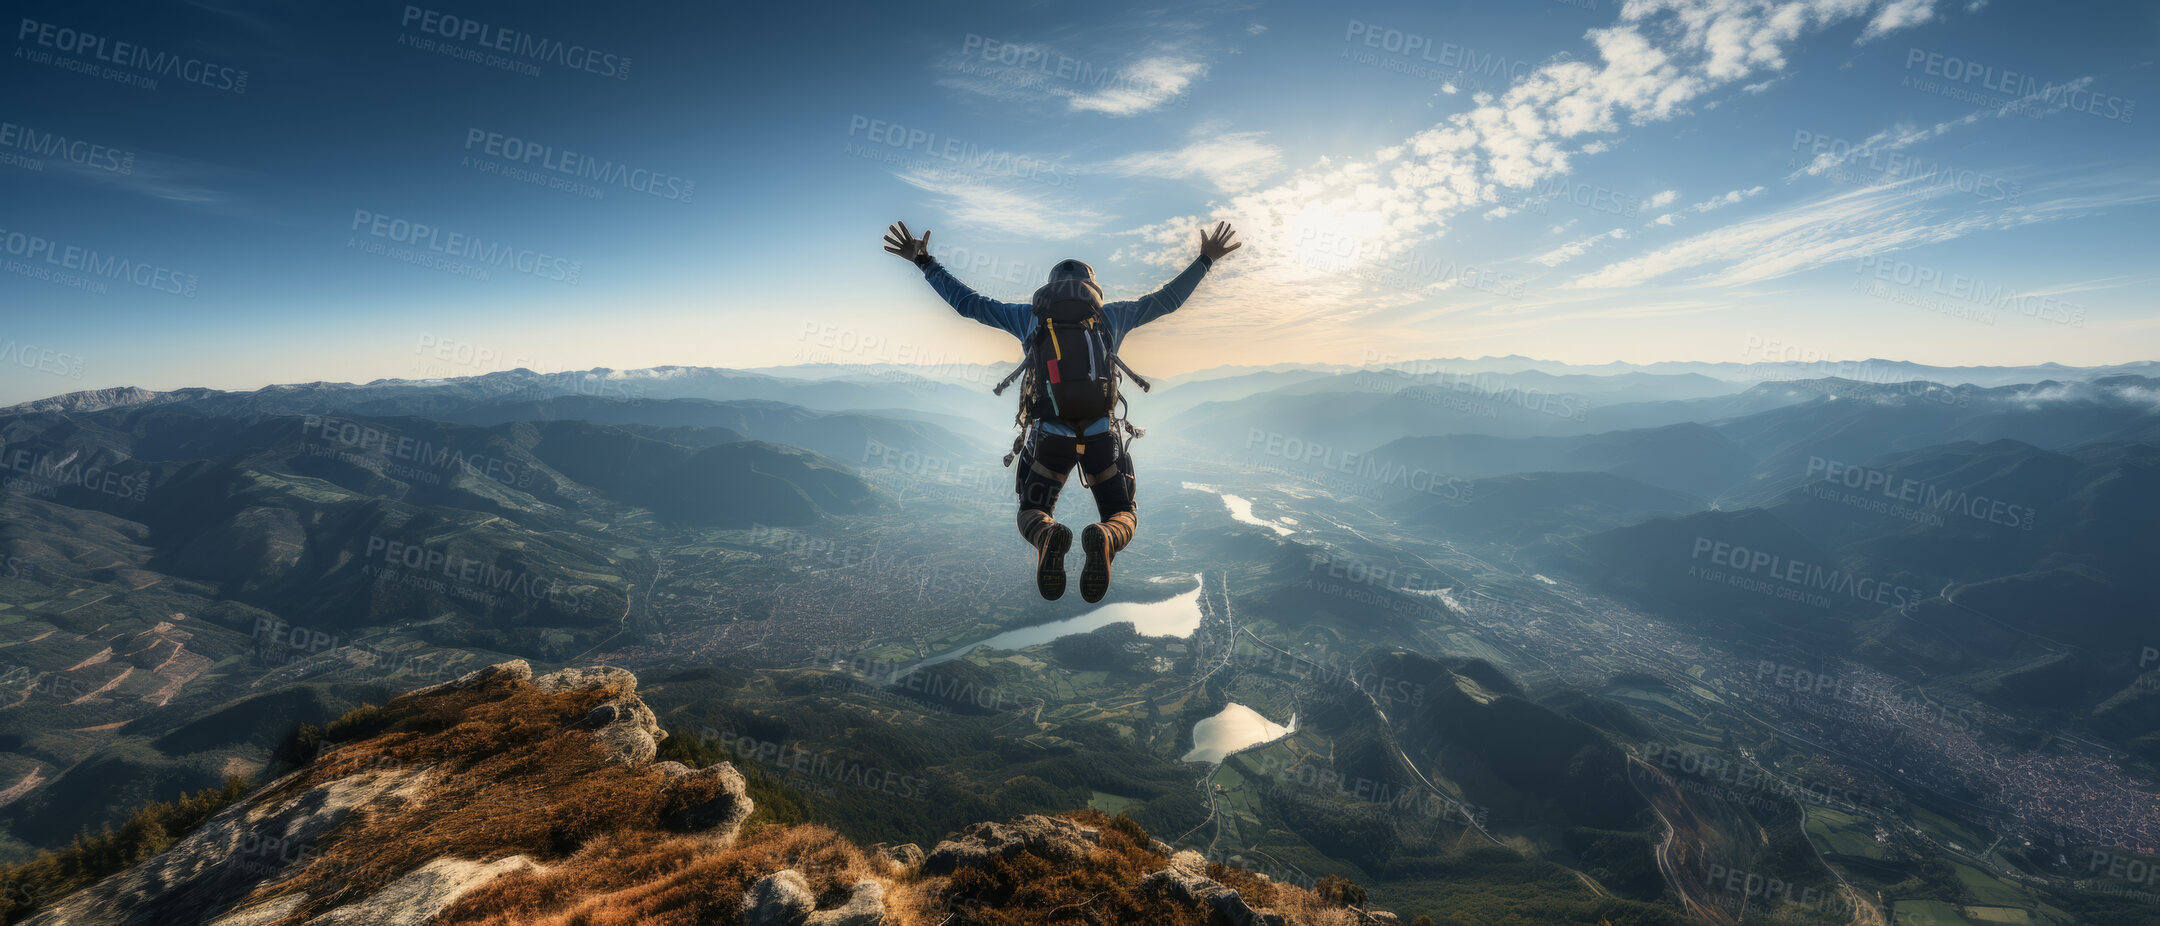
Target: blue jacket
(1018,318)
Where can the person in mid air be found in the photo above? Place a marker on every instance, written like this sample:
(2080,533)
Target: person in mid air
(1069,397)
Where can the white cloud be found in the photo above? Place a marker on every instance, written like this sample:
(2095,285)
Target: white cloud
(1837,152)
(1897,15)
(1662,199)
(1230,162)
(1650,66)
(1666,219)
(1570,251)
(1014,210)
(1255,29)
(1846,226)
(1149,83)
(1730,197)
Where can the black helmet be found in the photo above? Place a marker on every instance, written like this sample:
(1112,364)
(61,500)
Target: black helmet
(1070,269)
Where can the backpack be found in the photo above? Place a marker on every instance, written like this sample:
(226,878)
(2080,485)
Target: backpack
(1069,370)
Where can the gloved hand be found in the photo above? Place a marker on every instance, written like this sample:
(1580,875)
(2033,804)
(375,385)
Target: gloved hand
(1213,247)
(898,241)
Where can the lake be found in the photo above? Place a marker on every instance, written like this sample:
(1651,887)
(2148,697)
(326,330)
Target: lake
(1235,727)
(1241,510)
(1177,616)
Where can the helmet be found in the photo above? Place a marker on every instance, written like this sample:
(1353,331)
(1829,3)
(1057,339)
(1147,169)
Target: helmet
(1070,269)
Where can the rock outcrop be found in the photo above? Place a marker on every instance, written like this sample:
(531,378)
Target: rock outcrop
(504,798)
(1049,838)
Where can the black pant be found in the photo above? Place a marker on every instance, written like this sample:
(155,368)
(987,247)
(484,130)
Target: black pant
(1105,468)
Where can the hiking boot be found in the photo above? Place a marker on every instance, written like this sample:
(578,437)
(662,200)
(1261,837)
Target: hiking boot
(1102,541)
(1050,540)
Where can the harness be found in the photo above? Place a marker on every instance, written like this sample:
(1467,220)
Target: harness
(1035,392)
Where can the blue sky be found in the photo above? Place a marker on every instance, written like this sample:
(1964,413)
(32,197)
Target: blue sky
(228,193)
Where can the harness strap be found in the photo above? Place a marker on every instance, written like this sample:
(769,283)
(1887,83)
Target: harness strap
(1137,381)
(1015,374)
(1048,473)
(1092,480)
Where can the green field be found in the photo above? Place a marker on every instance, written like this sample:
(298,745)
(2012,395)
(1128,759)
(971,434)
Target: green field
(1837,833)
(1111,803)
(1989,890)
(1928,913)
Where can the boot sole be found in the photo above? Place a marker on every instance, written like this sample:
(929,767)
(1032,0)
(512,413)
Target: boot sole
(1050,563)
(1095,575)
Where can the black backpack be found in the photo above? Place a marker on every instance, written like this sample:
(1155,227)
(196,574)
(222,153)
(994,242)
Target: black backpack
(1068,366)
(1069,371)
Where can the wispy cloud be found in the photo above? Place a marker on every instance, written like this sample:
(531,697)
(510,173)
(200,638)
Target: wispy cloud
(1730,197)
(1146,85)
(1112,85)
(1230,162)
(1014,210)
(1870,221)
(1650,66)
(1572,250)
(2035,105)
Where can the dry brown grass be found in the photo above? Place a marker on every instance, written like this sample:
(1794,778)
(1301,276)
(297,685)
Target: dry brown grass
(633,879)
(1030,890)
(504,775)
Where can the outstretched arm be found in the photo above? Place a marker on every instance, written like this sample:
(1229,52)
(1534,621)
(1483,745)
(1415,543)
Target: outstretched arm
(1006,316)
(1125,316)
